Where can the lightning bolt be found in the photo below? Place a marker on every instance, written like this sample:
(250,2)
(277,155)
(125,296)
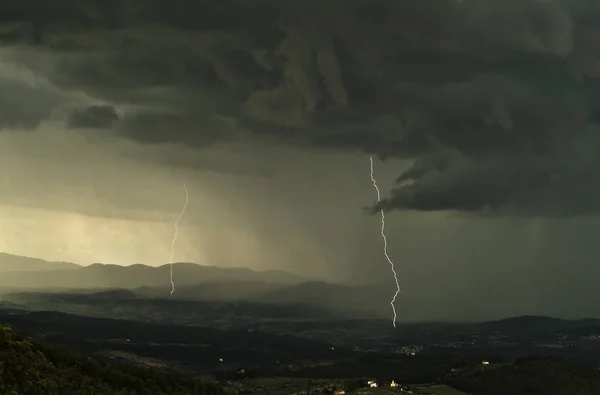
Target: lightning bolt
(385,245)
(175,237)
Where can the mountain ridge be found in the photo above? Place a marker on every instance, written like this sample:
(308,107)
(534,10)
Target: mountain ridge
(17,263)
(40,274)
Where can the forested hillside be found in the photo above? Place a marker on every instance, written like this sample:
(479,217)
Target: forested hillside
(28,367)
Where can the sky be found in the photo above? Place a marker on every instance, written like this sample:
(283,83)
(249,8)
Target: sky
(482,116)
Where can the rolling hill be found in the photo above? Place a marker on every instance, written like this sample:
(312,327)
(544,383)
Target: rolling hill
(532,375)
(367,301)
(216,291)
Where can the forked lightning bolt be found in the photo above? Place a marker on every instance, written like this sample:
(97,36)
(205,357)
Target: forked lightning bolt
(385,251)
(175,237)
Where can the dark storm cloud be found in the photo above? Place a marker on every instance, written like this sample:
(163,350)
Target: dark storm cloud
(472,185)
(167,127)
(496,101)
(93,117)
(22,106)
(567,184)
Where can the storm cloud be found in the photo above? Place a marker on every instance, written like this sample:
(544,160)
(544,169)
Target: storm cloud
(93,117)
(496,103)
(23,107)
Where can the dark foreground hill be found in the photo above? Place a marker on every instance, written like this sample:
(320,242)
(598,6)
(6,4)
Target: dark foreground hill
(531,376)
(32,368)
(198,348)
(36,367)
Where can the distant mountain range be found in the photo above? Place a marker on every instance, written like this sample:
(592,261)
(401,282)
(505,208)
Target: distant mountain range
(15,263)
(196,282)
(22,272)
(209,283)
